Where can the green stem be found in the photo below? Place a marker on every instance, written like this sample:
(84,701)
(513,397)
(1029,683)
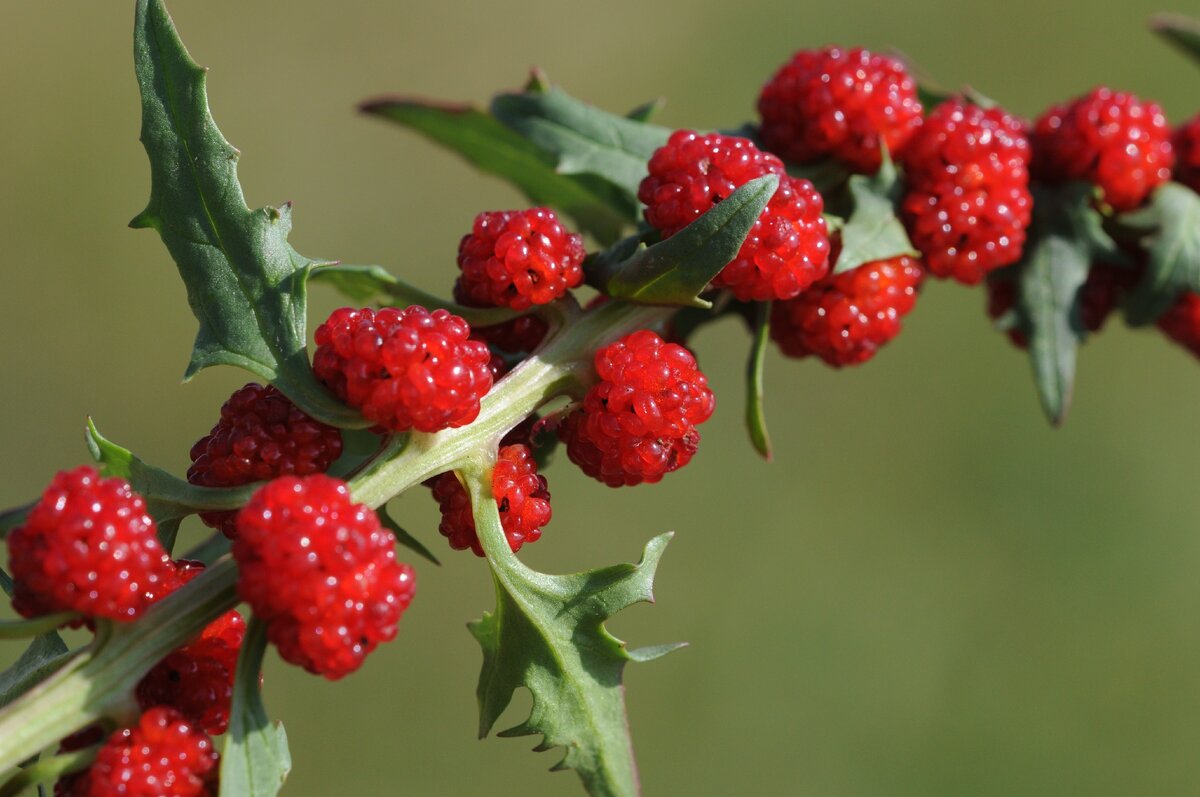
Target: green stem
(47,770)
(23,629)
(100,680)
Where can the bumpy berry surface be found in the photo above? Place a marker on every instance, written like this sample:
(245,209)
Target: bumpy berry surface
(845,318)
(321,572)
(839,103)
(639,421)
(87,546)
(1187,153)
(968,202)
(1099,297)
(1181,322)
(404,369)
(162,756)
(788,247)
(1110,138)
(197,679)
(261,435)
(521,495)
(519,258)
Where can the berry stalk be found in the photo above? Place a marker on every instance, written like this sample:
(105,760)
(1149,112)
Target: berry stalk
(99,682)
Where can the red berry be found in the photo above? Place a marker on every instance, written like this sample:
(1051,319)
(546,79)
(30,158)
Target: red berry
(197,679)
(261,435)
(321,572)
(1109,138)
(404,369)
(87,546)
(1186,142)
(845,318)
(1181,322)
(788,248)
(839,103)
(520,493)
(639,421)
(968,201)
(518,258)
(162,756)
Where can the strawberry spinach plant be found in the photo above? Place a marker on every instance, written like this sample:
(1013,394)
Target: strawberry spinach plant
(816,225)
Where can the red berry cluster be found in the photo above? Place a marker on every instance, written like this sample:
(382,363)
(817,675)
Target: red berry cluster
(261,435)
(163,755)
(404,369)
(788,248)
(638,423)
(846,317)
(521,496)
(1110,138)
(968,200)
(1186,142)
(845,104)
(197,679)
(518,259)
(322,573)
(88,546)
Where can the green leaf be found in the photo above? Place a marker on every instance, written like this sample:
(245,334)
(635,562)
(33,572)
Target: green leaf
(1180,30)
(756,419)
(582,138)
(44,656)
(245,283)
(596,206)
(366,284)
(547,634)
(255,760)
(403,537)
(1171,225)
(210,549)
(47,770)
(872,230)
(1064,239)
(11,518)
(167,497)
(647,110)
(676,271)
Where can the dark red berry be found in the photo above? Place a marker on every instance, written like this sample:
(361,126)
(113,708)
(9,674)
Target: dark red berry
(321,572)
(788,247)
(162,756)
(404,369)
(1181,322)
(197,679)
(1109,138)
(261,435)
(1186,142)
(87,546)
(968,202)
(845,318)
(638,422)
(839,103)
(519,258)
(521,495)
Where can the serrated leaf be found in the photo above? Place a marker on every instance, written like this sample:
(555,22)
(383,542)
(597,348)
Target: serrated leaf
(547,634)
(245,283)
(403,537)
(1171,221)
(872,230)
(596,206)
(676,271)
(582,138)
(647,110)
(41,659)
(167,497)
(255,760)
(1064,239)
(365,284)
(1180,30)
(756,419)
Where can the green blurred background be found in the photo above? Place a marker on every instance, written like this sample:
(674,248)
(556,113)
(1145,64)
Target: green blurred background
(929,592)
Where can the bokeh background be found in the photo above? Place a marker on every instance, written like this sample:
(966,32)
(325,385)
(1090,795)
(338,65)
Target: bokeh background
(930,592)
